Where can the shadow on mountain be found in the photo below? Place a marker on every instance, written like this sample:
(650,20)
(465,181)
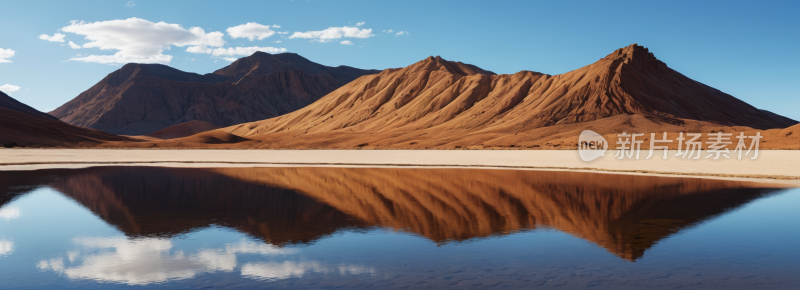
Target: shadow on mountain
(624,214)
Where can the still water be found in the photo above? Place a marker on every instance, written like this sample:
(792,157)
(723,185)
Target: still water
(311,228)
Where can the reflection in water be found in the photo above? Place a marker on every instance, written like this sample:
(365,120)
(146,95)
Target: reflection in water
(289,269)
(626,215)
(153,260)
(9,213)
(622,213)
(6,247)
(168,201)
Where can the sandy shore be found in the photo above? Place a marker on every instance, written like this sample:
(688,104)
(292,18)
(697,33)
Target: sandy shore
(781,166)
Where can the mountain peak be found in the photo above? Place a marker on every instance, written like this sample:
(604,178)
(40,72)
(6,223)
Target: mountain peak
(261,63)
(633,53)
(433,63)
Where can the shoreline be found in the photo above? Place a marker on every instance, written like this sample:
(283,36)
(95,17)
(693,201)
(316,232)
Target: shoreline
(773,166)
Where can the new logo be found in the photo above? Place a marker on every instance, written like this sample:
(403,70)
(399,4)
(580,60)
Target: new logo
(591,145)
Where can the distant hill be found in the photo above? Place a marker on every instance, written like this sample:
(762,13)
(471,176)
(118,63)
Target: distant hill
(140,99)
(183,130)
(21,125)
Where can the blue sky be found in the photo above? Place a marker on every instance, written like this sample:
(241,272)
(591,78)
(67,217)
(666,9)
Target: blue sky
(747,49)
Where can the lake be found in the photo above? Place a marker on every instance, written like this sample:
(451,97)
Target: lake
(385,228)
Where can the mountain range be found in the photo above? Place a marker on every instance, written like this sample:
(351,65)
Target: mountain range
(139,99)
(286,101)
(437,103)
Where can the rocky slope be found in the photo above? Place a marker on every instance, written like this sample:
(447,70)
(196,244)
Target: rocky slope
(183,130)
(21,125)
(140,99)
(437,103)
(10,103)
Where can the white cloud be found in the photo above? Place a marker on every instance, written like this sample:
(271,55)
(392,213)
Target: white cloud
(360,23)
(199,49)
(73,45)
(9,213)
(401,33)
(388,31)
(58,37)
(334,33)
(232,51)
(230,58)
(8,89)
(5,54)
(278,41)
(131,4)
(276,26)
(139,40)
(346,42)
(283,32)
(251,31)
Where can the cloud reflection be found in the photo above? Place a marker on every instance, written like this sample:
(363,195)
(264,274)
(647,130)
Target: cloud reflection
(291,269)
(9,213)
(153,260)
(6,247)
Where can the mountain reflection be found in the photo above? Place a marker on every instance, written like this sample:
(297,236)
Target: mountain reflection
(624,214)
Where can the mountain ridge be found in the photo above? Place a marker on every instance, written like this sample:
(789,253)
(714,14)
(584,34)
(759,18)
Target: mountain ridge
(22,125)
(435,99)
(139,99)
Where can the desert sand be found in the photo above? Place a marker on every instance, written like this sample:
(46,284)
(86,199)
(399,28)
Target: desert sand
(773,166)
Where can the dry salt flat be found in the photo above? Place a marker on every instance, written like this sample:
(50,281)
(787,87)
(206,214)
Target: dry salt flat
(773,166)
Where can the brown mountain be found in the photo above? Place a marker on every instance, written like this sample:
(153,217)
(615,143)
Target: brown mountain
(139,99)
(21,125)
(438,103)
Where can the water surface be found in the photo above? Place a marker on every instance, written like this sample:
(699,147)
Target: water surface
(310,228)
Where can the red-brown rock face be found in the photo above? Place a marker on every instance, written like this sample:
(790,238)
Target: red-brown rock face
(436,102)
(140,99)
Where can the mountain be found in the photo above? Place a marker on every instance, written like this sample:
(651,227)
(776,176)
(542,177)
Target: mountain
(140,99)
(21,125)
(10,103)
(183,130)
(438,104)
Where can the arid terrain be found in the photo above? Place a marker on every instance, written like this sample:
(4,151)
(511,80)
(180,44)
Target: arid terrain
(21,125)
(140,99)
(432,104)
(772,166)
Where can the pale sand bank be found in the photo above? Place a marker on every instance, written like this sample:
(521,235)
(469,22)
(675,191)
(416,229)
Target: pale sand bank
(782,166)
